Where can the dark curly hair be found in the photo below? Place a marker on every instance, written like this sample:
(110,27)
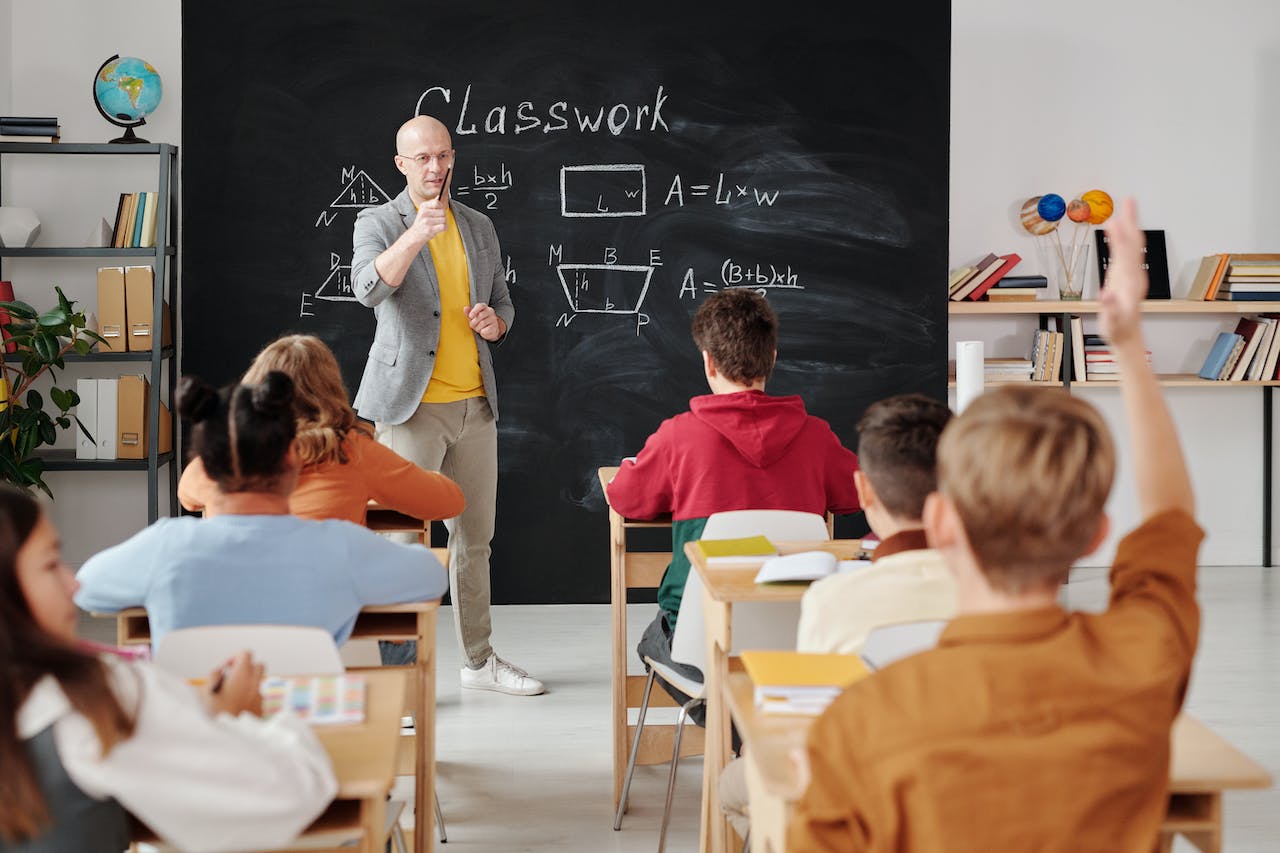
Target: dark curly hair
(241,432)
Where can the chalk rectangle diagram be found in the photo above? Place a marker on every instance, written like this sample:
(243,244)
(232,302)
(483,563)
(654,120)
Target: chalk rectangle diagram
(604,288)
(606,190)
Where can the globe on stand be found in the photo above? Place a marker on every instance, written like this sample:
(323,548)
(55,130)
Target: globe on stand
(126,90)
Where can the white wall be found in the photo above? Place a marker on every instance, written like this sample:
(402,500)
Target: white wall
(56,49)
(1172,104)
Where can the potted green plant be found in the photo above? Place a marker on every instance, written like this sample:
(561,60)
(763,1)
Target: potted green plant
(41,342)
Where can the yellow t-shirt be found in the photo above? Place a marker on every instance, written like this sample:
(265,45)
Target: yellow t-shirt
(456,375)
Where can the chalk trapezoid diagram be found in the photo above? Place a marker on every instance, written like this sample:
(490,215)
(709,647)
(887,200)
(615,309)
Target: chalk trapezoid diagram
(603,190)
(604,288)
(337,287)
(360,191)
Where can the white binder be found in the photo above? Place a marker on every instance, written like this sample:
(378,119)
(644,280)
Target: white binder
(87,413)
(108,389)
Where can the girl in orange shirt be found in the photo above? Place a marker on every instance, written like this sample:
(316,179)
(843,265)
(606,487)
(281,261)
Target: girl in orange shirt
(343,466)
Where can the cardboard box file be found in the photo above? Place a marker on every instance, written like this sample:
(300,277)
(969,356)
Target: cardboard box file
(139,283)
(111,315)
(131,416)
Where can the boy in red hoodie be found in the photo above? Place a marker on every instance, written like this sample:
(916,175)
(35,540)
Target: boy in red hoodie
(736,448)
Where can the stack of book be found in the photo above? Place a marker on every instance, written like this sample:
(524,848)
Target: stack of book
(1099,363)
(135,221)
(972,282)
(1006,370)
(1237,278)
(29,129)
(1018,288)
(1250,353)
(1251,280)
(798,682)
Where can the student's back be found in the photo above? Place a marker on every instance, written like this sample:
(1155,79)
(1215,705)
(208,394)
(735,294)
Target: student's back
(275,569)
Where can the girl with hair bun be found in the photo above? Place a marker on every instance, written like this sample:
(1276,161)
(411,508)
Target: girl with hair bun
(253,561)
(85,739)
(343,467)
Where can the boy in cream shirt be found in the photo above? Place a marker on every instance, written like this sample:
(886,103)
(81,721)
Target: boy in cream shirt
(908,580)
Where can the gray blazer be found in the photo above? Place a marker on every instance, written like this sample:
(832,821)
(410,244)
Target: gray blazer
(404,345)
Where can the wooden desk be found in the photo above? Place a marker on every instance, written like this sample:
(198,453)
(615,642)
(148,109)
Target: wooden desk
(364,763)
(722,586)
(410,621)
(636,570)
(1202,766)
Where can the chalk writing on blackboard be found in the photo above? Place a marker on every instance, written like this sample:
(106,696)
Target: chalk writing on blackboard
(759,277)
(604,289)
(488,184)
(359,190)
(603,190)
(337,287)
(723,194)
(614,118)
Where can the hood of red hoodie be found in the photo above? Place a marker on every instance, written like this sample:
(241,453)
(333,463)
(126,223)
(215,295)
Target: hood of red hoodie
(760,427)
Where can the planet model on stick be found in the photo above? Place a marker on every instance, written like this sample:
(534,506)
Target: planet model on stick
(126,90)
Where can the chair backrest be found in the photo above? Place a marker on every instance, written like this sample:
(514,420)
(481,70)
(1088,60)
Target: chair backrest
(755,625)
(889,643)
(283,649)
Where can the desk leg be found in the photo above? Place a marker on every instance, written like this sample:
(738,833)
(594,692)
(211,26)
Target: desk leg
(618,606)
(424,815)
(373,822)
(719,617)
(1208,840)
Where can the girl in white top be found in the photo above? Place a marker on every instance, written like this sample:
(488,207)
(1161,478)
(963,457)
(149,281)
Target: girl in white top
(84,738)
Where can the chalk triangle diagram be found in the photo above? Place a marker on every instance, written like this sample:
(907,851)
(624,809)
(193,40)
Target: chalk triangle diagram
(360,191)
(337,287)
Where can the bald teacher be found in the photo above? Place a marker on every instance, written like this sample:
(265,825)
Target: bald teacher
(431,270)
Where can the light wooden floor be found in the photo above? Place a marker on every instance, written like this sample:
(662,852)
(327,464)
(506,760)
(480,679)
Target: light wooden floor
(533,774)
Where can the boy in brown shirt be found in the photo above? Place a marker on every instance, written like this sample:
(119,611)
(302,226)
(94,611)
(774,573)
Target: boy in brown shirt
(1029,727)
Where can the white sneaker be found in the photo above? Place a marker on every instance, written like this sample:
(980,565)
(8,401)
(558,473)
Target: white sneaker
(502,677)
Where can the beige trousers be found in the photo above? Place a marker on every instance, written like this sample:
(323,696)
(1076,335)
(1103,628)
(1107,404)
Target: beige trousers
(460,440)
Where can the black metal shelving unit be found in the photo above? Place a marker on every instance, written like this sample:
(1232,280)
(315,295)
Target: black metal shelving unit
(163,255)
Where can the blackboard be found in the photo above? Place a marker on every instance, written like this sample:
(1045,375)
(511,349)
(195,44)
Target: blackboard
(662,150)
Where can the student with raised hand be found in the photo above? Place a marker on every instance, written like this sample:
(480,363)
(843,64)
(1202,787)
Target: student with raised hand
(87,740)
(343,466)
(253,561)
(1030,727)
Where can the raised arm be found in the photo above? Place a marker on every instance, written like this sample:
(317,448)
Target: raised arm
(1161,472)
(378,264)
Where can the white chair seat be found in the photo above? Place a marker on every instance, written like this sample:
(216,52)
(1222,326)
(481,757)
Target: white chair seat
(686,685)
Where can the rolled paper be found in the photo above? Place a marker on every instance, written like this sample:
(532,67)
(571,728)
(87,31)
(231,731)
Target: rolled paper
(969,373)
(1079,211)
(1031,218)
(1051,207)
(1100,206)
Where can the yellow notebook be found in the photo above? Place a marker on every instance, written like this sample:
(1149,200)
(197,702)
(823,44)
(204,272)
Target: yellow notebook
(798,682)
(744,549)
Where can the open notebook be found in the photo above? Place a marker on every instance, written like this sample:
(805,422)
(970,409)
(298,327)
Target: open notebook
(805,566)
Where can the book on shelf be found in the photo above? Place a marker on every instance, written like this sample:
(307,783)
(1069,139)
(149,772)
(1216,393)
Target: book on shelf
(148,238)
(1264,347)
(1156,262)
(123,224)
(1269,283)
(958,275)
(319,700)
(1247,296)
(1075,327)
(1021,281)
(1269,369)
(799,682)
(975,268)
(12,137)
(1219,275)
(987,278)
(1208,268)
(1251,331)
(135,239)
(29,127)
(1215,363)
(1254,265)
(741,549)
(1012,294)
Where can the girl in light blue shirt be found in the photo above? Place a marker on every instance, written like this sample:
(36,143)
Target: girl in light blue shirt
(253,562)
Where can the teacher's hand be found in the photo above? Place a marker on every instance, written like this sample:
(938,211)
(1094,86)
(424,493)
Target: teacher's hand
(430,221)
(485,322)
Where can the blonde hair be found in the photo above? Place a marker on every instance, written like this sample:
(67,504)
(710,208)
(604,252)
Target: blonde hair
(325,416)
(1029,471)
